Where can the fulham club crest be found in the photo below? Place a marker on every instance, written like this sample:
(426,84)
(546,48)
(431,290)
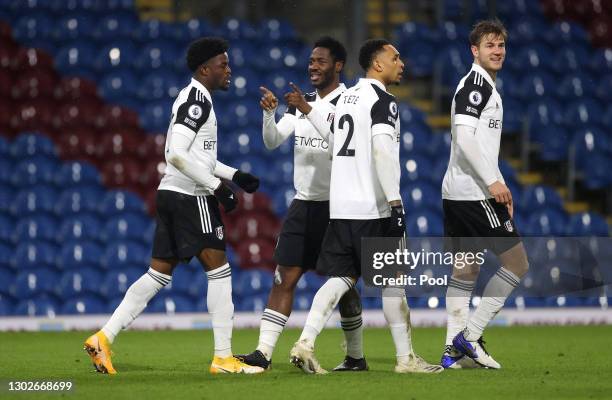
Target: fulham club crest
(508,225)
(219,232)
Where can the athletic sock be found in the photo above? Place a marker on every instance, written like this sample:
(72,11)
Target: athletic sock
(397,315)
(272,324)
(221,308)
(458,295)
(323,304)
(493,298)
(353,333)
(135,301)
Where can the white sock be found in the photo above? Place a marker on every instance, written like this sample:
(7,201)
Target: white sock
(272,324)
(221,308)
(458,295)
(323,304)
(397,315)
(353,333)
(135,301)
(493,298)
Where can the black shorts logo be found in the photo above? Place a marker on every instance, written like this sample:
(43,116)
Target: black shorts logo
(219,232)
(508,225)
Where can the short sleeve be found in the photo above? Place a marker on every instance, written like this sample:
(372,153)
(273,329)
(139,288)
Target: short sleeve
(194,112)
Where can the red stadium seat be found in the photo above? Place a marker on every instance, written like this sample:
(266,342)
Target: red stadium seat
(121,173)
(152,174)
(29,58)
(6,112)
(253,225)
(33,83)
(33,115)
(256,253)
(75,88)
(116,117)
(118,144)
(248,202)
(149,198)
(7,53)
(600,30)
(77,114)
(79,144)
(152,146)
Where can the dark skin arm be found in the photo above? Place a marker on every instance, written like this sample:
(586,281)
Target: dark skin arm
(296,98)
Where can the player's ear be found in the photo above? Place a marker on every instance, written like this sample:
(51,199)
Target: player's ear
(474,51)
(339,65)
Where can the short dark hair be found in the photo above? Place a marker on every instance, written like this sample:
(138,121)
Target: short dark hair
(369,50)
(487,27)
(203,49)
(336,49)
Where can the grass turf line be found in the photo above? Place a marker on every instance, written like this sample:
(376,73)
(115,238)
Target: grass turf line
(537,362)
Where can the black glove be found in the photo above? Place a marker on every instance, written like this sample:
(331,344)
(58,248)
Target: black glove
(226,197)
(397,226)
(248,182)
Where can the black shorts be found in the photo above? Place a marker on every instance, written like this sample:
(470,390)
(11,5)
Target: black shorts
(341,249)
(487,221)
(186,225)
(299,242)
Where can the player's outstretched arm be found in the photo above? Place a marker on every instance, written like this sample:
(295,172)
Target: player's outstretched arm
(247,182)
(274,134)
(470,147)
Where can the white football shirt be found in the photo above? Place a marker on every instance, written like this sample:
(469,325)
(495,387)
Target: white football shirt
(476,104)
(362,112)
(192,115)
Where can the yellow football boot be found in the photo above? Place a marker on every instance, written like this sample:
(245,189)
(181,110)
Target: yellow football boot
(232,365)
(98,348)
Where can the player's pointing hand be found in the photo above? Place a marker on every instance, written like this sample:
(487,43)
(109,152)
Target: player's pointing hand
(268,101)
(296,98)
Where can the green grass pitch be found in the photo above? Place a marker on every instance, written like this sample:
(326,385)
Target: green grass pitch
(538,362)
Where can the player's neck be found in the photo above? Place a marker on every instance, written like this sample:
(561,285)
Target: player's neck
(328,89)
(376,77)
(204,83)
(492,74)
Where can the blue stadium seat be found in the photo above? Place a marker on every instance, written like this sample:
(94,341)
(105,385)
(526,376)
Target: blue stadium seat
(79,199)
(545,111)
(424,223)
(123,254)
(546,222)
(6,306)
(236,29)
(82,226)
(33,282)
(35,227)
(79,282)
(254,281)
(310,283)
(513,116)
(34,170)
(190,30)
(156,55)
(587,224)
(280,173)
(160,85)
(416,138)
(243,142)
(302,301)
(4,147)
(415,167)
(440,144)
(198,287)
(33,254)
(255,303)
(117,54)
(570,58)
(536,58)
(533,85)
(64,6)
(567,32)
(596,172)
(554,140)
(76,173)
(587,142)
(116,282)
(6,280)
(171,303)
(155,116)
(119,201)
(603,91)
(7,226)
(601,62)
(275,30)
(419,58)
(126,226)
(32,144)
(6,254)
(77,254)
(33,25)
(74,26)
(416,31)
(454,62)
(582,112)
(34,200)
(182,279)
(114,26)
(117,85)
(576,85)
(536,197)
(40,306)
(421,195)
(245,84)
(409,114)
(84,304)
(76,59)
(153,29)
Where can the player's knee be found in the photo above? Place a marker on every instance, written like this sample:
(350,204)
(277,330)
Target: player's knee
(350,304)
(285,281)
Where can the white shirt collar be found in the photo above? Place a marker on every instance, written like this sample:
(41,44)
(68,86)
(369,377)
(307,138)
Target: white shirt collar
(201,88)
(332,95)
(483,72)
(373,81)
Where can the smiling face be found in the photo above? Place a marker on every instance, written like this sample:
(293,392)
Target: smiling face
(322,69)
(390,64)
(217,72)
(490,53)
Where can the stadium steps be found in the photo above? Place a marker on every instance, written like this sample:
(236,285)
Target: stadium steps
(162,10)
(375,16)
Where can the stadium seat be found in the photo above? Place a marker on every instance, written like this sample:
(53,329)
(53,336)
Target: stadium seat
(155,55)
(603,91)
(34,83)
(415,167)
(255,303)
(575,85)
(119,201)
(424,223)
(156,116)
(570,58)
(6,197)
(39,198)
(79,144)
(77,254)
(533,85)
(7,226)
(421,195)
(76,173)
(159,85)
(256,253)
(416,138)
(547,222)
(536,58)
(82,226)
(171,303)
(116,282)
(589,141)
(35,227)
(6,306)
(253,226)
(583,112)
(36,170)
(79,282)
(409,114)
(33,115)
(282,198)
(84,304)
(585,224)
(118,85)
(124,254)
(33,282)
(302,301)
(191,29)
(76,59)
(6,280)
(116,25)
(26,58)
(33,26)
(72,88)
(537,197)
(151,30)
(79,199)
(600,62)
(127,226)
(42,305)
